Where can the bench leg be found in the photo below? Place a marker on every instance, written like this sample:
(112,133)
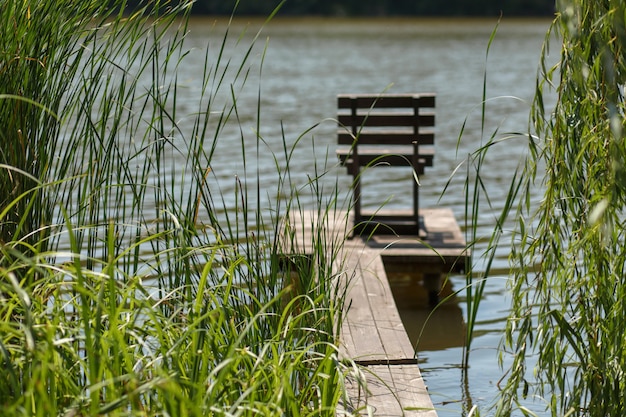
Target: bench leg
(432,284)
(358,217)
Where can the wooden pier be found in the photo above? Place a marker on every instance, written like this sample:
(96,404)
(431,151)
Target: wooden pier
(372,334)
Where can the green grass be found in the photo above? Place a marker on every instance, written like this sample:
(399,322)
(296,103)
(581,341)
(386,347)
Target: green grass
(128,285)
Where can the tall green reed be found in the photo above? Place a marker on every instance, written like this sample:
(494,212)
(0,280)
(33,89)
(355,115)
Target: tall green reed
(474,191)
(38,60)
(479,199)
(568,278)
(145,291)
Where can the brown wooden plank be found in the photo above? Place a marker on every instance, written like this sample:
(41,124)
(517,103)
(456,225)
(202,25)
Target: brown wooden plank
(300,227)
(390,226)
(405,151)
(385,157)
(359,323)
(372,137)
(445,245)
(389,391)
(374,330)
(385,100)
(386,120)
(387,160)
(443,232)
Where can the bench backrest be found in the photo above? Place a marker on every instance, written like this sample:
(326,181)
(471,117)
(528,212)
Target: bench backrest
(386,119)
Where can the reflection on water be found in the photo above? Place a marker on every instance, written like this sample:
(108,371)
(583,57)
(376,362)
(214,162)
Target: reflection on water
(431,323)
(438,329)
(428,328)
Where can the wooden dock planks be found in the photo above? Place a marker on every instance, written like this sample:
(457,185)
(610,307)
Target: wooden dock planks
(445,247)
(374,337)
(391,390)
(372,334)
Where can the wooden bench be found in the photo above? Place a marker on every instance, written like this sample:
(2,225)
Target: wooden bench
(381,130)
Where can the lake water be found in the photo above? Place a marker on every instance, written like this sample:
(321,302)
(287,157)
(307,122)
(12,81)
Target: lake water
(309,61)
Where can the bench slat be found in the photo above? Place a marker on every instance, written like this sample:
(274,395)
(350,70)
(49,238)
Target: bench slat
(388,160)
(386,137)
(386,120)
(345,152)
(344,101)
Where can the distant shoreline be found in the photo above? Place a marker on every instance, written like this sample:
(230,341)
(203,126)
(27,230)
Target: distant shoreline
(372,8)
(511,15)
(257,20)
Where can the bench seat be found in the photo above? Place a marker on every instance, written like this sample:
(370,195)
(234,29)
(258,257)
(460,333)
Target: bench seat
(397,157)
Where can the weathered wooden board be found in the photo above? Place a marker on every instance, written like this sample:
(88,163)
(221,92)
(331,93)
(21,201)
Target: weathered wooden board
(372,331)
(444,248)
(390,390)
(385,100)
(302,229)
